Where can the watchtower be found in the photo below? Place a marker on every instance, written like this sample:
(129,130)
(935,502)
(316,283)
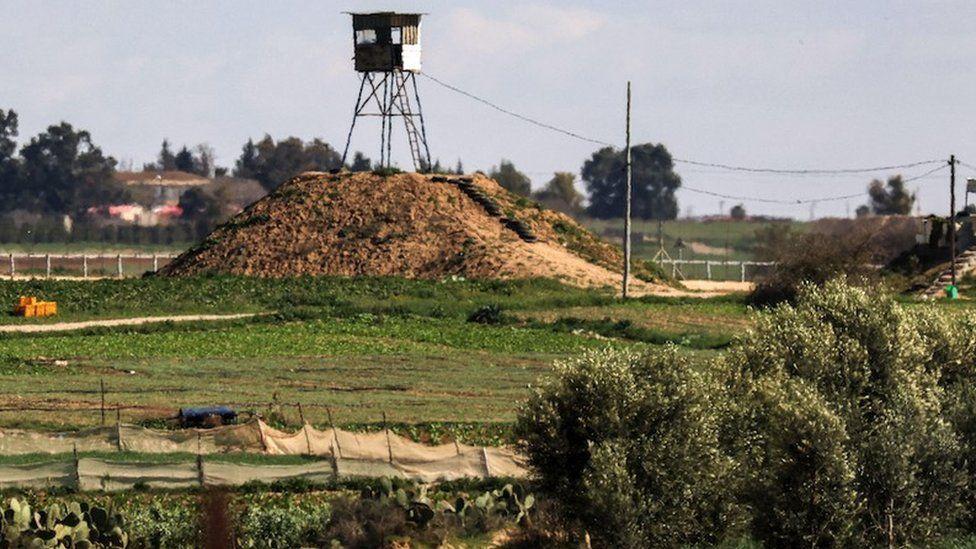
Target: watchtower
(387,53)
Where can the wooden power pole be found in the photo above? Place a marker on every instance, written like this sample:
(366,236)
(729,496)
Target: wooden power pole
(952,215)
(626,285)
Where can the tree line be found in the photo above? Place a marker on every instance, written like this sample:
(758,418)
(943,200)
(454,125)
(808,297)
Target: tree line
(62,171)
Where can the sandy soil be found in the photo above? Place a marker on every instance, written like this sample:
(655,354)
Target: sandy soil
(67,326)
(704,288)
(408,225)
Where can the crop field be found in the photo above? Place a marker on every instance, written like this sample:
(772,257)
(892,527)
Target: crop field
(361,348)
(721,239)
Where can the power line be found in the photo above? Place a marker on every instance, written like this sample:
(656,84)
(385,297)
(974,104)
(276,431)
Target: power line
(517,115)
(970,166)
(802,200)
(808,171)
(728,167)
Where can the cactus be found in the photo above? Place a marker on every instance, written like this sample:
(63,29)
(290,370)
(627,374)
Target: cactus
(71,526)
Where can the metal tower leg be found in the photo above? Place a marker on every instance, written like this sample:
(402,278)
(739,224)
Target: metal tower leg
(355,115)
(420,115)
(392,96)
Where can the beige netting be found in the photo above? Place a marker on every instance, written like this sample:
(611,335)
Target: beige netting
(95,474)
(343,454)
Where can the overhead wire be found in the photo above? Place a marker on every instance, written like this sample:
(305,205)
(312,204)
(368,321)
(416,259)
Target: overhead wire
(801,200)
(718,165)
(517,115)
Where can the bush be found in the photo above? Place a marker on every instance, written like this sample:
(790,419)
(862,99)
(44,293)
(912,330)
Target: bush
(290,524)
(810,258)
(847,421)
(364,522)
(487,314)
(629,444)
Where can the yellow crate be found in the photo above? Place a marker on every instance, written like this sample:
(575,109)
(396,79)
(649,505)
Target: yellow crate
(30,307)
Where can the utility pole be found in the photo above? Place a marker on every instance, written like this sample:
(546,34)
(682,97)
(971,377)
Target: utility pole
(626,285)
(952,215)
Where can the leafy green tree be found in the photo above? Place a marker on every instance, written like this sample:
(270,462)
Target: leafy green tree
(184,160)
(166,160)
(9,164)
(200,207)
(802,487)
(247,164)
(560,194)
(892,199)
(862,438)
(360,163)
(510,178)
(64,172)
(272,163)
(653,178)
(629,445)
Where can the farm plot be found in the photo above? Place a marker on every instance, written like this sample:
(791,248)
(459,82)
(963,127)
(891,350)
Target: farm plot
(360,347)
(414,370)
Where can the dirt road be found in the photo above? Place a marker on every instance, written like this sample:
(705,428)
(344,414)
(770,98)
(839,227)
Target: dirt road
(80,325)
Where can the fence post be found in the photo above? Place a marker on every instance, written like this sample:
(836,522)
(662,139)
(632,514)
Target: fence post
(155,263)
(74,453)
(119,259)
(13,267)
(118,426)
(335,434)
(308,440)
(389,446)
(200,476)
(47,265)
(101,383)
(484,456)
(84,266)
(674,268)
(708,270)
(742,271)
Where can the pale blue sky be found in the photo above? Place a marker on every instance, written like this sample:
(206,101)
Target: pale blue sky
(771,83)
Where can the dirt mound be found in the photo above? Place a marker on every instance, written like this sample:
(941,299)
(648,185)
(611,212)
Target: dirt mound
(410,225)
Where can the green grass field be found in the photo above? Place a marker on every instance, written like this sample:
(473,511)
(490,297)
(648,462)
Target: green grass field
(361,347)
(713,240)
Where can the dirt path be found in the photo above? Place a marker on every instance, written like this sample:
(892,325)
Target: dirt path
(705,288)
(80,325)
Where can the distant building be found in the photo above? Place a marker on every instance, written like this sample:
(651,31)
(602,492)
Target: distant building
(160,188)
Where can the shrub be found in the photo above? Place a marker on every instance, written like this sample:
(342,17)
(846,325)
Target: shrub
(847,397)
(162,525)
(289,524)
(802,491)
(487,314)
(364,522)
(810,258)
(629,444)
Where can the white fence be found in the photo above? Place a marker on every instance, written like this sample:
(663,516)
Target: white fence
(80,265)
(715,270)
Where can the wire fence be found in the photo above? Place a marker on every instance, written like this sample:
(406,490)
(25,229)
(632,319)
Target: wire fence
(81,265)
(703,269)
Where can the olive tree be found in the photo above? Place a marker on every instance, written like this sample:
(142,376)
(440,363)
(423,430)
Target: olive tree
(629,444)
(869,403)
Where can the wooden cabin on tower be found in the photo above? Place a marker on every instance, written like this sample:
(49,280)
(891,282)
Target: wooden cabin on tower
(386,48)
